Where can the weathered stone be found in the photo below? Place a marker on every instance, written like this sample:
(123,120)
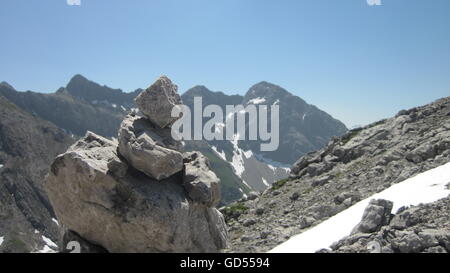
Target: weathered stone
(157,101)
(376,215)
(259,210)
(404,219)
(249,222)
(305,222)
(200,181)
(294,196)
(340,198)
(132,213)
(149,149)
(252,195)
(408,243)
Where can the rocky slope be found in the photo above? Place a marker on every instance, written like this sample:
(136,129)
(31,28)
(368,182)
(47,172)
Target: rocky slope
(27,146)
(303,127)
(142,193)
(423,228)
(350,168)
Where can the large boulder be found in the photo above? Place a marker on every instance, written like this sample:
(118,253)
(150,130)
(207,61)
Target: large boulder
(157,101)
(117,208)
(376,215)
(199,181)
(148,148)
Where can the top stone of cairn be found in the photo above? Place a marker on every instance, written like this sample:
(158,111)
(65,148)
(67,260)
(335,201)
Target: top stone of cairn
(157,101)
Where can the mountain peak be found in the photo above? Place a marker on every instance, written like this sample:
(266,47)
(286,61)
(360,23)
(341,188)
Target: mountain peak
(266,89)
(78,78)
(6,85)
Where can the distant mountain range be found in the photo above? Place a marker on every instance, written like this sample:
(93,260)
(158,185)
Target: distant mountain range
(303,128)
(84,105)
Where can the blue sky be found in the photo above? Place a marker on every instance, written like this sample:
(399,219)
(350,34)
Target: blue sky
(358,62)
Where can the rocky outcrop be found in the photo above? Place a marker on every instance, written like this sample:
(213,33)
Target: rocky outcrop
(350,168)
(422,228)
(133,195)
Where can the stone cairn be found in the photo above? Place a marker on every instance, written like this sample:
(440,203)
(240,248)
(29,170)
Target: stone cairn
(141,193)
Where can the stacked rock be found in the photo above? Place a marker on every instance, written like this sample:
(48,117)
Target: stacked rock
(142,193)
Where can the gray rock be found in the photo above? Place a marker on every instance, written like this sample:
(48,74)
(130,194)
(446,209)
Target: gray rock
(149,149)
(157,101)
(408,243)
(321,181)
(294,196)
(413,157)
(264,234)
(404,219)
(260,210)
(252,195)
(249,222)
(133,213)
(306,222)
(200,181)
(376,215)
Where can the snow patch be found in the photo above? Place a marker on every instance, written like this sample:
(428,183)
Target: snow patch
(256,101)
(237,161)
(265,182)
(46,249)
(246,184)
(426,187)
(248,153)
(55,221)
(49,242)
(243,193)
(2,238)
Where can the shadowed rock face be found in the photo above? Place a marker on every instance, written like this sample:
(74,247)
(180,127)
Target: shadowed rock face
(145,203)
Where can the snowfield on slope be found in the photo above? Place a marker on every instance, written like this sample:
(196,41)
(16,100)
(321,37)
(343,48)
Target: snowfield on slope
(426,187)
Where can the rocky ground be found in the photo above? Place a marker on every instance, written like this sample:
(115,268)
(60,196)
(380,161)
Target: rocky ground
(350,168)
(423,228)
